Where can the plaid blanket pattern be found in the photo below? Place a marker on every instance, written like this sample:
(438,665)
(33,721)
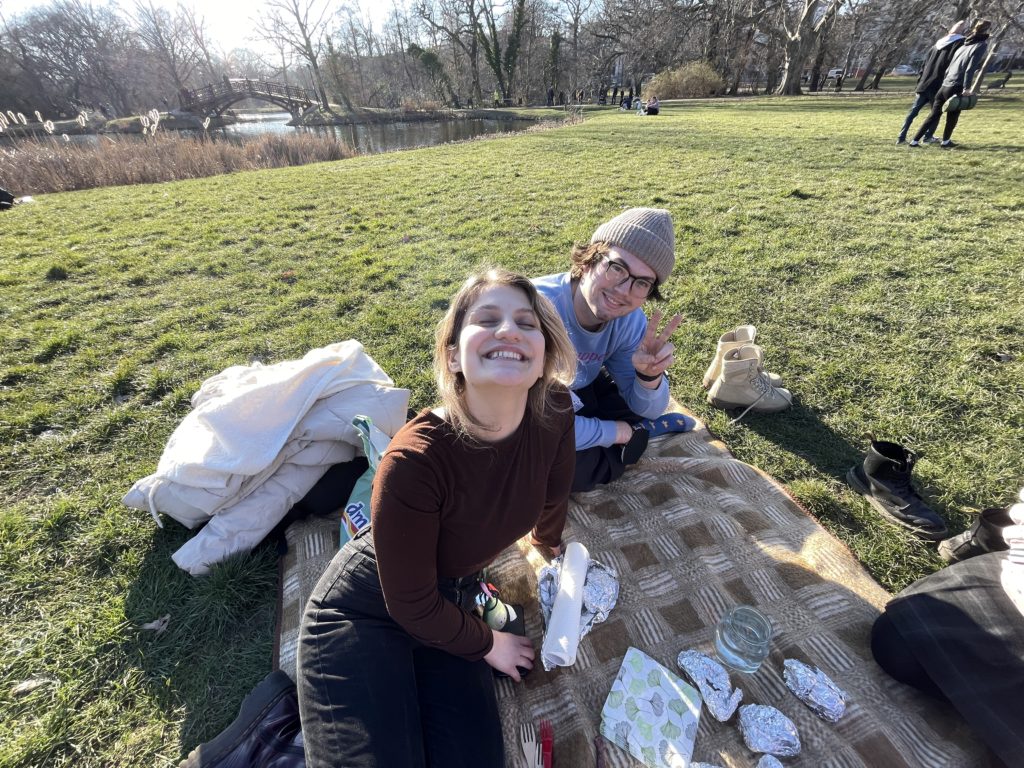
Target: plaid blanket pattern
(691,532)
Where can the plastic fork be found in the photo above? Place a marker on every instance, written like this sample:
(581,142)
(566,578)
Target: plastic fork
(531,749)
(547,743)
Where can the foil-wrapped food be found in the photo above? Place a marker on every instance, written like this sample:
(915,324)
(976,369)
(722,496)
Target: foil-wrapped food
(714,683)
(704,765)
(815,689)
(766,729)
(769,761)
(600,592)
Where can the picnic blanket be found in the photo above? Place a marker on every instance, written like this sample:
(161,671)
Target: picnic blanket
(691,532)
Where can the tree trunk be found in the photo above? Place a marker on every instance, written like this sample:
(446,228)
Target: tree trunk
(741,66)
(867,73)
(819,58)
(800,43)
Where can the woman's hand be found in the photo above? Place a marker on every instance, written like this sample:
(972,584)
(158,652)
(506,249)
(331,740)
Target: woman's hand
(510,651)
(555,550)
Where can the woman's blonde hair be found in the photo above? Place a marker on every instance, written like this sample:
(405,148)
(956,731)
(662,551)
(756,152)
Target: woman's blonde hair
(559,353)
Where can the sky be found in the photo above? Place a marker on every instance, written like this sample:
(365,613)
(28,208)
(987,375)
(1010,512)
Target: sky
(229,22)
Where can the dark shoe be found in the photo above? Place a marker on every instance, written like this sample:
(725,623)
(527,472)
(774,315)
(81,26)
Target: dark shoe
(634,449)
(985,535)
(884,480)
(900,140)
(266,733)
(915,144)
(948,145)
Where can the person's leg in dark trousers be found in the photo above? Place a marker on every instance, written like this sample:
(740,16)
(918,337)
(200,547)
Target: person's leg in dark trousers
(599,465)
(920,100)
(932,121)
(449,737)
(952,118)
(897,659)
(364,683)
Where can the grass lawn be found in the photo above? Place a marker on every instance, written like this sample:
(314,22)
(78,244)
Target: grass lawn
(885,283)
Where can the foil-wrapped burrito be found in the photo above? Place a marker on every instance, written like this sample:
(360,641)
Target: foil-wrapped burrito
(769,761)
(714,684)
(704,765)
(600,591)
(815,689)
(766,729)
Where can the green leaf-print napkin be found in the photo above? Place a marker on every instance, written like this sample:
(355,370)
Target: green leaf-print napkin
(651,713)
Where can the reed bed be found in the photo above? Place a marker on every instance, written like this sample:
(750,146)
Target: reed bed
(52,164)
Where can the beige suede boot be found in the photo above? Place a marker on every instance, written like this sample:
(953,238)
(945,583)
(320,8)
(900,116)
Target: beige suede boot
(743,334)
(742,384)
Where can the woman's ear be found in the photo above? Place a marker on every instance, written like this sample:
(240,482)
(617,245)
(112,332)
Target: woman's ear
(454,366)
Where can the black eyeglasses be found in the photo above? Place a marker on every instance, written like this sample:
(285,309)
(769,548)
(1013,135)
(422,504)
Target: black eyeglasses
(616,271)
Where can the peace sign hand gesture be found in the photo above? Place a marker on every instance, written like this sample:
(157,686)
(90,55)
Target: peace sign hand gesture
(654,355)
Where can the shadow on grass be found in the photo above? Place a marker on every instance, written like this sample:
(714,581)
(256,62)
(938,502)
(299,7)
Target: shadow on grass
(219,637)
(803,434)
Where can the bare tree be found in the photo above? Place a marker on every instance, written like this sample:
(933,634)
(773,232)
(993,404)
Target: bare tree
(811,17)
(196,26)
(302,24)
(501,59)
(1011,17)
(457,20)
(82,55)
(168,39)
(576,12)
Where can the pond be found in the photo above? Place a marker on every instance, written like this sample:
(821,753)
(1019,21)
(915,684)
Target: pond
(370,138)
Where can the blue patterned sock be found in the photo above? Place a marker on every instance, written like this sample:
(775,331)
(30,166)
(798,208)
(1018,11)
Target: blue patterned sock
(670,422)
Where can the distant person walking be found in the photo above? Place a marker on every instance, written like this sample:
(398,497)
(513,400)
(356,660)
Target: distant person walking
(960,73)
(930,79)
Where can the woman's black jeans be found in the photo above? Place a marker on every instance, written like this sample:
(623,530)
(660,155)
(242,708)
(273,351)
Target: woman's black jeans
(371,695)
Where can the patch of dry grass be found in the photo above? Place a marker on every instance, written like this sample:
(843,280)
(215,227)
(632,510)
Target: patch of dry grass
(32,166)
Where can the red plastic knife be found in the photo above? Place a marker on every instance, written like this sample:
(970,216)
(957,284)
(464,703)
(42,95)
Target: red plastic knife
(547,742)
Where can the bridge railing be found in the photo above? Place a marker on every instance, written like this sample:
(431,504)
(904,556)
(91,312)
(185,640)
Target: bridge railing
(209,94)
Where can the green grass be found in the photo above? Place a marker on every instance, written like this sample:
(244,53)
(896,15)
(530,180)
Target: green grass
(884,282)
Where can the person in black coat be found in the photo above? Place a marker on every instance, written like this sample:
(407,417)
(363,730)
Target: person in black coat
(930,79)
(958,80)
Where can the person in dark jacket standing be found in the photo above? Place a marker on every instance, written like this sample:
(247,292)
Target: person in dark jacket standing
(932,72)
(957,81)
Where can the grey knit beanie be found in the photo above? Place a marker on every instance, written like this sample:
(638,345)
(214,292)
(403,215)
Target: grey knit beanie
(646,233)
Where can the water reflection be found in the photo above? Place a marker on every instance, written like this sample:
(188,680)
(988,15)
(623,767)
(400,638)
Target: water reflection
(364,138)
(370,138)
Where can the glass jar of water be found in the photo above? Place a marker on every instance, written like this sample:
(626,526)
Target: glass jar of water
(742,638)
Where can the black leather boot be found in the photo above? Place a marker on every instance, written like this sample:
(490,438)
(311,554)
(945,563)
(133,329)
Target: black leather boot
(884,480)
(984,535)
(266,733)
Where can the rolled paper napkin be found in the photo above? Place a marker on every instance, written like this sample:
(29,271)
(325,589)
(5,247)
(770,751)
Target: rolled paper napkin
(563,634)
(670,422)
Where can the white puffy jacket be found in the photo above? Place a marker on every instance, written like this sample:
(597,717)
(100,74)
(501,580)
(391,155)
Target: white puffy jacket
(258,438)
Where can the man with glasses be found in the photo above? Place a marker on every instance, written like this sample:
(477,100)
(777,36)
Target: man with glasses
(621,358)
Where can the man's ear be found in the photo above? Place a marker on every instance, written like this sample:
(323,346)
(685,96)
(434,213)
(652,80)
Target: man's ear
(453,360)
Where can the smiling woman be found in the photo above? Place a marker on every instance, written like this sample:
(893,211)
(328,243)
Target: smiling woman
(391,641)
